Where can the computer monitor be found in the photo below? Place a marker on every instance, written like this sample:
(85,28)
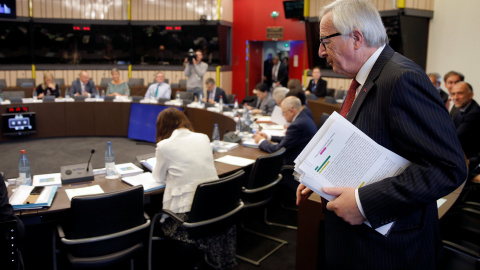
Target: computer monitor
(293,9)
(8,9)
(18,124)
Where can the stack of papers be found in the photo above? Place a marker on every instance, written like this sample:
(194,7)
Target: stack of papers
(250,143)
(341,155)
(226,145)
(90,190)
(22,192)
(144,179)
(128,169)
(236,161)
(53,179)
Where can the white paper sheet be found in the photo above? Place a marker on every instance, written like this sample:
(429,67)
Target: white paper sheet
(95,189)
(237,161)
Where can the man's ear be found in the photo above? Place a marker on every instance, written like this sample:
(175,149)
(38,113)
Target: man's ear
(358,40)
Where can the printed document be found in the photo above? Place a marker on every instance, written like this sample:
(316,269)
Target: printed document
(341,155)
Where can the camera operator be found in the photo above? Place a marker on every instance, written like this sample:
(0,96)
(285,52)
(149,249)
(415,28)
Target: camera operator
(194,70)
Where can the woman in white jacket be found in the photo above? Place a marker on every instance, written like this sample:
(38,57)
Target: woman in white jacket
(185,160)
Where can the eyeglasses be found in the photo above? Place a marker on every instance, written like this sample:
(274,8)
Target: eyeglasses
(322,39)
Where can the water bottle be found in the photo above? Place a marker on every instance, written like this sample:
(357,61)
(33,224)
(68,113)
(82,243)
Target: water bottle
(220,104)
(246,118)
(235,107)
(103,93)
(239,127)
(200,99)
(1,95)
(110,170)
(177,96)
(34,94)
(67,93)
(24,174)
(216,138)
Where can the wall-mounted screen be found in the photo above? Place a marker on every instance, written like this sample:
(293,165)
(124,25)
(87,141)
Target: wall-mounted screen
(17,124)
(8,9)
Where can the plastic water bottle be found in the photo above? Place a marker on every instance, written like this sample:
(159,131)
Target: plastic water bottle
(34,94)
(24,174)
(216,138)
(239,127)
(235,107)
(95,95)
(110,170)
(67,93)
(220,104)
(103,93)
(200,99)
(177,96)
(1,95)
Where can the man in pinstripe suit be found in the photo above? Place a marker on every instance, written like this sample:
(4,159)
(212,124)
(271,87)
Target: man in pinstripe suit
(397,106)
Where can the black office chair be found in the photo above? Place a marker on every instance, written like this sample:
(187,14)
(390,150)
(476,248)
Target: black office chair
(311,97)
(182,83)
(330,92)
(322,120)
(59,81)
(231,98)
(105,229)
(3,84)
(258,192)
(10,257)
(330,100)
(25,82)
(186,95)
(215,208)
(135,81)
(460,229)
(339,94)
(104,82)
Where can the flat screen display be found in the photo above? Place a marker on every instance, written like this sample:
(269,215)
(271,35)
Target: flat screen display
(143,120)
(17,124)
(8,9)
(293,9)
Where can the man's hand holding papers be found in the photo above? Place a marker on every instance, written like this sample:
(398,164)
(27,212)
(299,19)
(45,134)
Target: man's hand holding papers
(345,205)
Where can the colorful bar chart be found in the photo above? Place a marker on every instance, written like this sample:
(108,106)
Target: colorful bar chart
(320,168)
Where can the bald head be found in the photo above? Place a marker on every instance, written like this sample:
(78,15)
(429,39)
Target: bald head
(83,76)
(291,106)
(462,94)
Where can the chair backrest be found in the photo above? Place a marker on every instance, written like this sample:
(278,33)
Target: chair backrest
(331,100)
(339,94)
(8,245)
(186,95)
(264,173)
(104,82)
(12,94)
(231,98)
(3,83)
(330,92)
(59,81)
(106,213)
(322,120)
(25,82)
(182,83)
(311,97)
(212,204)
(135,81)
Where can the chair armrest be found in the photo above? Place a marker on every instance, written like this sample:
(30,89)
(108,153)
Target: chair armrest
(250,191)
(287,168)
(460,249)
(61,233)
(212,220)
(106,237)
(172,215)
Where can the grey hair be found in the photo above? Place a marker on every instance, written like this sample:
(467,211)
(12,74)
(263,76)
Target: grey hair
(292,102)
(280,93)
(437,76)
(348,15)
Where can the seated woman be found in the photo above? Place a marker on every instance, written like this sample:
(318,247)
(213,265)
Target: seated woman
(117,87)
(48,87)
(184,160)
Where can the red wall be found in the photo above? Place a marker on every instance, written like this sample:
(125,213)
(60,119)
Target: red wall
(250,21)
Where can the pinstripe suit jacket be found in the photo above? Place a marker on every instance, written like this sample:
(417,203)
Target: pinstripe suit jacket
(399,108)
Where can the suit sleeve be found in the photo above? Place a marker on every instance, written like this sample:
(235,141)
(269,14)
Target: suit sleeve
(423,133)
(467,132)
(288,141)
(321,88)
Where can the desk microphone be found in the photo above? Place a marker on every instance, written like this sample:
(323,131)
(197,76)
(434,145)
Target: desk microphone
(88,163)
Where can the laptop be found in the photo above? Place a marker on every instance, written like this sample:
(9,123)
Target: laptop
(48,98)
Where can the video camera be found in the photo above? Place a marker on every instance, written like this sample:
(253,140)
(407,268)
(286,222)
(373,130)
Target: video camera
(191,55)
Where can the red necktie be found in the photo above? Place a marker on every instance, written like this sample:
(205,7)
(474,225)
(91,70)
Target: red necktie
(347,104)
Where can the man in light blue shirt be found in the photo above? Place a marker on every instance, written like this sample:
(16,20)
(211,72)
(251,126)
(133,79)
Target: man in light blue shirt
(159,89)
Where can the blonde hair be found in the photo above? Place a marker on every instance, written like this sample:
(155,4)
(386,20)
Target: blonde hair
(46,75)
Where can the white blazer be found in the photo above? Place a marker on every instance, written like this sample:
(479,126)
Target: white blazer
(183,161)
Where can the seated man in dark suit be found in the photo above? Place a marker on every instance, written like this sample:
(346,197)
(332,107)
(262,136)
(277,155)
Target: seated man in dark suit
(467,121)
(83,86)
(299,133)
(214,93)
(317,85)
(303,99)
